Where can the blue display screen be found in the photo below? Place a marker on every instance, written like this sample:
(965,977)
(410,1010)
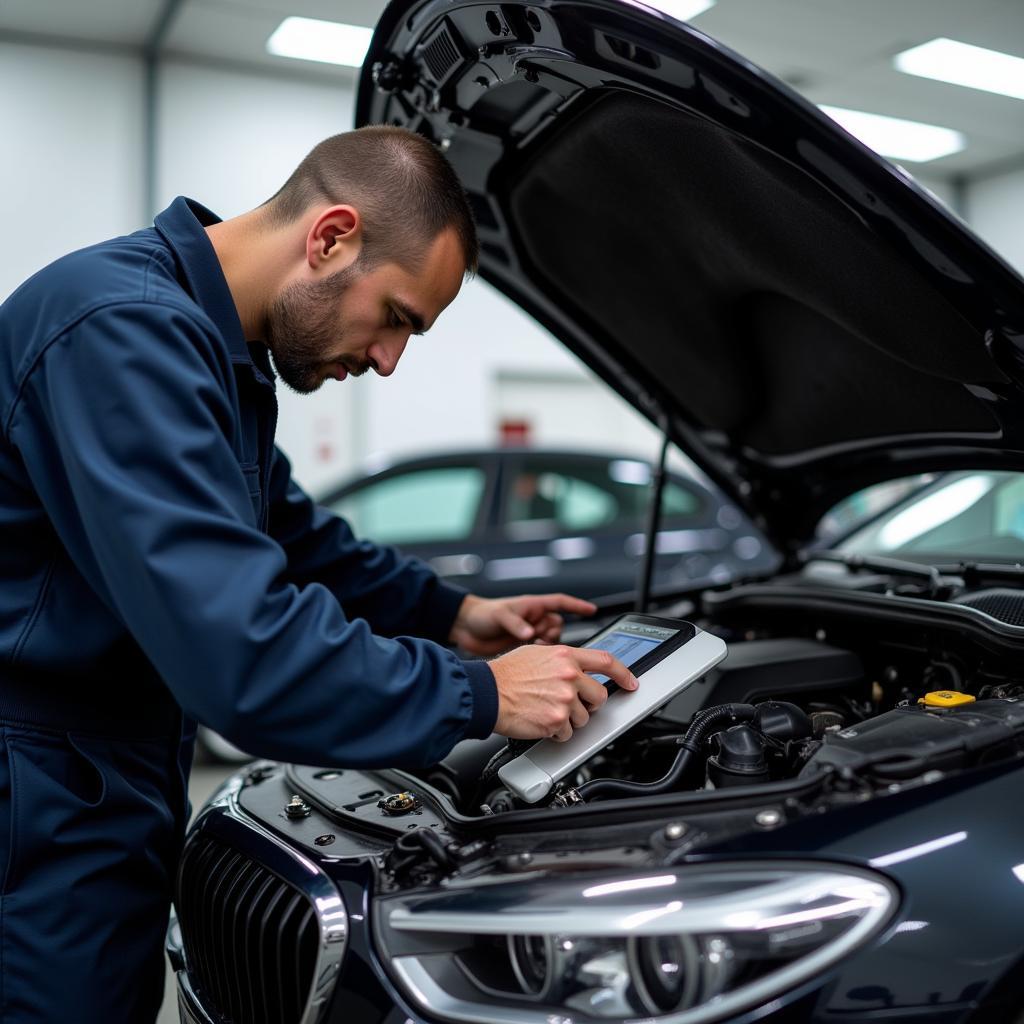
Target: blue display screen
(629,642)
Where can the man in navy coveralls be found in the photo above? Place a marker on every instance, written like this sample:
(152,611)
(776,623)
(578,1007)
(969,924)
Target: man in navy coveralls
(159,566)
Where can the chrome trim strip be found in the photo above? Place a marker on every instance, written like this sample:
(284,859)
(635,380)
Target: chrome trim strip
(224,819)
(193,1004)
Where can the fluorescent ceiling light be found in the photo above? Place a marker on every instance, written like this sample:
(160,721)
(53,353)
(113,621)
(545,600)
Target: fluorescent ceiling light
(947,60)
(682,10)
(893,137)
(327,41)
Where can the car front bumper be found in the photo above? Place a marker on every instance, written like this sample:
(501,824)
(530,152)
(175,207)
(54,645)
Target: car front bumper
(350,983)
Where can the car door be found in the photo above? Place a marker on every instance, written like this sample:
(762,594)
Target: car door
(576,522)
(432,508)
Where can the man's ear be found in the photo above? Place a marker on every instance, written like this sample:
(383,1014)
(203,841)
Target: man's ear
(334,239)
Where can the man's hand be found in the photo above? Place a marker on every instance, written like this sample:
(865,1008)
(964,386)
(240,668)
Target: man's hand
(543,690)
(492,626)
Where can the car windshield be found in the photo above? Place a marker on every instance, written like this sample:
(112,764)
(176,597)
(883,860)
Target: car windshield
(967,516)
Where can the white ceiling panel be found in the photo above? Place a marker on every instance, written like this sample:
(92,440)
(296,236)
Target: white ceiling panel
(238,30)
(840,52)
(103,21)
(354,12)
(834,51)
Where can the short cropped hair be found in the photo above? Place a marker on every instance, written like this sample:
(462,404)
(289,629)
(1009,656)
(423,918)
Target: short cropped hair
(403,187)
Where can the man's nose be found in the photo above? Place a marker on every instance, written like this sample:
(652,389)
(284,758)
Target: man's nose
(385,354)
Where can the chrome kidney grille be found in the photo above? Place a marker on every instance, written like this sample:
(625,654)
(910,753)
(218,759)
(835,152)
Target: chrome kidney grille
(251,939)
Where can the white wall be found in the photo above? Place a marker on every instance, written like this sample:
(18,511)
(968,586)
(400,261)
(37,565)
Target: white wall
(71,172)
(939,187)
(995,209)
(230,139)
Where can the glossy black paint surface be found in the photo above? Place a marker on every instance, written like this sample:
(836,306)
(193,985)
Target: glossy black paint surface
(951,955)
(788,492)
(959,928)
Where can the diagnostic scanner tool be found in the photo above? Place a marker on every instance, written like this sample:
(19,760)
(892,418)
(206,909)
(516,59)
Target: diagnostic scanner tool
(666,656)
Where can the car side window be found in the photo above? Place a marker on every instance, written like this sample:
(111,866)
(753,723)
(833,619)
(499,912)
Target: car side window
(867,503)
(579,505)
(422,505)
(1009,510)
(677,500)
(545,497)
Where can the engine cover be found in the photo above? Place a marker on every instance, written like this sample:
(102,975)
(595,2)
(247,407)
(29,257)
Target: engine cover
(908,741)
(779,669)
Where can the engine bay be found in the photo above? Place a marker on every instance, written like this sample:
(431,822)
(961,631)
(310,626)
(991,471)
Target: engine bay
(819,682)
(737,725)
(828,697)
(826,718)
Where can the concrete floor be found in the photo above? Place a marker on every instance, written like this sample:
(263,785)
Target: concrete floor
(205,779)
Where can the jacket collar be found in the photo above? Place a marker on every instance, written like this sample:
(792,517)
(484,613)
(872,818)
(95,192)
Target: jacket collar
(182,224)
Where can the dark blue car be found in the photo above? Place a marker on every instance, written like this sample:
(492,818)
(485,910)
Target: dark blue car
(825,827)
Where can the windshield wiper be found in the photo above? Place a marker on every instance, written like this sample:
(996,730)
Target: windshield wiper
(930,574)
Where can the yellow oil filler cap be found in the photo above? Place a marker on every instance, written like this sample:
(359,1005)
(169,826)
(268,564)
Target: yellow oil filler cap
(945,699)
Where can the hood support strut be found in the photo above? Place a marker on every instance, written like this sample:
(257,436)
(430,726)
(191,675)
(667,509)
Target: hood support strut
(643,590)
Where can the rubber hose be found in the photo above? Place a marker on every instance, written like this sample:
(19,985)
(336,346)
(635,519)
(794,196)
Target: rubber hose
(511,750)
(431,845)
(704,723)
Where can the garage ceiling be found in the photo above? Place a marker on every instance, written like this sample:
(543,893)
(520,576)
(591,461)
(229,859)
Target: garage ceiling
(837,52)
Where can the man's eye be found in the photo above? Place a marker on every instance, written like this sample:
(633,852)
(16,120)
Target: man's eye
(394,320)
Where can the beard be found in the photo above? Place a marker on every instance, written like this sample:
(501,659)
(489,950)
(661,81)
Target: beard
(302,325)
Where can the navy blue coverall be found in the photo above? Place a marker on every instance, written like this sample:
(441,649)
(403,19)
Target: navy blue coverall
(159,566)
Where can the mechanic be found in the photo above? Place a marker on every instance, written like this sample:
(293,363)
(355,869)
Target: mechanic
(160,566)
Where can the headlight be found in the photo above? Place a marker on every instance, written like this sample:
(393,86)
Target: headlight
(686,946)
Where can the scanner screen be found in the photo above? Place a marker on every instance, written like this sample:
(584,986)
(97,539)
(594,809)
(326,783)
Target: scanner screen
(629,642)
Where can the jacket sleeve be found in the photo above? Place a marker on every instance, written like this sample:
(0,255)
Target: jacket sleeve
(395,594)
(124,424)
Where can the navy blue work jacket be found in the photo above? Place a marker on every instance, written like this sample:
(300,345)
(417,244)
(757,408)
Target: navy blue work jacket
(153,537)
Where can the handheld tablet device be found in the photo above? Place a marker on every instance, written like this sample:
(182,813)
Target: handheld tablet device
(666,655)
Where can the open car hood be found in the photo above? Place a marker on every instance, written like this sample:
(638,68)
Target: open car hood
(796,312)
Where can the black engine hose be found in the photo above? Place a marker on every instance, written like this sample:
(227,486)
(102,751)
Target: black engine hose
(409,847)
(511,750)
(706,722)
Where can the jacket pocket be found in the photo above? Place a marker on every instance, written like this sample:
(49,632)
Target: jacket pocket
(54,788)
